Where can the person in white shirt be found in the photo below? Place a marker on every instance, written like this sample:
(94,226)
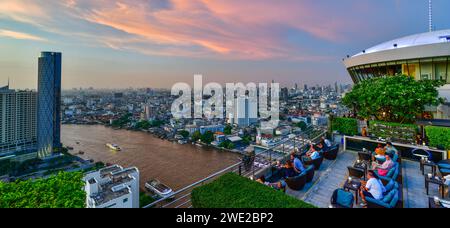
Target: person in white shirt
(372,188)
(327,142)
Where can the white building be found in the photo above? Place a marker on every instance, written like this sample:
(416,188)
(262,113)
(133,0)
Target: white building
(245,112)
(112,187)
(18,121)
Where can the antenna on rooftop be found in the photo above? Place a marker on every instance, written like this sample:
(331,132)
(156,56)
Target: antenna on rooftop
(430,15)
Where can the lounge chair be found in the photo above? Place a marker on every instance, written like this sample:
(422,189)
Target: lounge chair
(331,153)
(310,173)
(342,199)
(297,183)
(355,172)
(316,162)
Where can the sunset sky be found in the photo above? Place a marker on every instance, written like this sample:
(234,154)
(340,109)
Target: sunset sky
(156,43)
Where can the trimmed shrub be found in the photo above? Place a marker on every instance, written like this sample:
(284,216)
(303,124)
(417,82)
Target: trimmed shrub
(64,190)
(438,136)
(234,191)
(346,126)
(394,131)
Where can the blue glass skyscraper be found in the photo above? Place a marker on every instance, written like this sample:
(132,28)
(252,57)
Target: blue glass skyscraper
(49,103)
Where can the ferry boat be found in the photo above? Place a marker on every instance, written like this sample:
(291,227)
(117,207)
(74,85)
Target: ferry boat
(113,147)
(159,188)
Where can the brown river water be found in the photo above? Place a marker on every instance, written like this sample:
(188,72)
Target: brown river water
(173,164)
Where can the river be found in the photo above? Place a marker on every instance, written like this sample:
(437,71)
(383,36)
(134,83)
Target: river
(173,164)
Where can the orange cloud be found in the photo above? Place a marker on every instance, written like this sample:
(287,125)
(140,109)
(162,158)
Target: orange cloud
(19,35)
(251,29)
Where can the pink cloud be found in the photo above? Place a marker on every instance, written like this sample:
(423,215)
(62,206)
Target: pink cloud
(231,29)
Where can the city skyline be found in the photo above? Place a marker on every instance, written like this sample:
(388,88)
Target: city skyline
(164,42)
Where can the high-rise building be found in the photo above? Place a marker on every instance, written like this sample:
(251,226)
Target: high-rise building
(49,103)
(17,122)
(246,112)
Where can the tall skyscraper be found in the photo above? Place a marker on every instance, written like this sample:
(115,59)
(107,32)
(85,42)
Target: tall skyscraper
(246,112)
(17,121)
(49,103)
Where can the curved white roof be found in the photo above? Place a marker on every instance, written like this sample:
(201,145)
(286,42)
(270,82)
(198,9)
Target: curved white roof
(434,37)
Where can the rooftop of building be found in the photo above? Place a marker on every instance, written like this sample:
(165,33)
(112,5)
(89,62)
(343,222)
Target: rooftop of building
(434,37)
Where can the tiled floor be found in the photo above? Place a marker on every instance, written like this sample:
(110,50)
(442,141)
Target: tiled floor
(331,176)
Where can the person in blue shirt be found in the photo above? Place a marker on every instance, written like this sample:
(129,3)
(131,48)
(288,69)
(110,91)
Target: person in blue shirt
(312,154)
(298,165)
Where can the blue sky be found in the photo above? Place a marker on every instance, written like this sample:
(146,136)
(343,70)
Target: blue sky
(156,43)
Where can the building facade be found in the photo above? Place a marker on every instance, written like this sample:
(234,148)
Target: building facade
(17,122)
(49,103)
(246,112)
(112,187)
(421,56)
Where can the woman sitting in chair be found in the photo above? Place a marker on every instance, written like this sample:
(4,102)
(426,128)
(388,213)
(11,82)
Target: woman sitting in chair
(384,168)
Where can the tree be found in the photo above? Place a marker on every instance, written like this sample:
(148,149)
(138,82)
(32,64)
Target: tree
(208,137)
(227,144)
(302,125)
(228,129)
(144,124)
(184,133)
(393,98)
(196,136)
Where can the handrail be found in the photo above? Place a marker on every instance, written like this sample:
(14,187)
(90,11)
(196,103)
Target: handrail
(226,170)
(194,184)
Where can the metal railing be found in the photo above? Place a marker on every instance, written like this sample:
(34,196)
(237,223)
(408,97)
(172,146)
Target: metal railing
(264,160)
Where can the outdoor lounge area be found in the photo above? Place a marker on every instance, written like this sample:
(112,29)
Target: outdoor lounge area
(336,181)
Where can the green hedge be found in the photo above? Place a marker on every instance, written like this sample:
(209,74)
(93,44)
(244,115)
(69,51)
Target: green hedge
(438,136)
(346,126)
(64,190)
(234,191)
(394,131)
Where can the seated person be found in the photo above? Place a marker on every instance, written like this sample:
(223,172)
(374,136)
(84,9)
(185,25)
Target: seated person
(324,144)
(372,188)
(280,185)
(380,152)
(298,165)
(390,149)
(384,168)
(327,142)
(287,170)
(312,154)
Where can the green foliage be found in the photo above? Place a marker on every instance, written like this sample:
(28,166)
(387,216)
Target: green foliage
(156,123)
(227,144)
(346,126)
(145,199)
(393,98)
(64,190)
(184,133)
(228,129)
(196,136)
(208,137)
(302,125)
(395,131)
(122,121)
(233,191)
(438,136)
(247,139)
(144,124)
